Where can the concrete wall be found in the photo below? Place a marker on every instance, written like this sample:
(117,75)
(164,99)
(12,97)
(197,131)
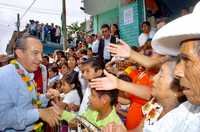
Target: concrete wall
(108,17)
(129,32)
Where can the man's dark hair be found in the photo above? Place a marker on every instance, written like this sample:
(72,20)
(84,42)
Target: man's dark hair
(146,23)
(21,42)
(94,63)
(105,26)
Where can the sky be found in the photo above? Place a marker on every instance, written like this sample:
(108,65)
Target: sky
(45,11)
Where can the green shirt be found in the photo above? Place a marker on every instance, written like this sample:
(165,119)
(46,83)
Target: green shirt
(91,116)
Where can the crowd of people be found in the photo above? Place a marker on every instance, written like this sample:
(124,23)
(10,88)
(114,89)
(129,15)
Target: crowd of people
(44,32)
(103,84)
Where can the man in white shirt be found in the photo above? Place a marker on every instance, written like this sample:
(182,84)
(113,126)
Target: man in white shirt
(147,34)
(107,38)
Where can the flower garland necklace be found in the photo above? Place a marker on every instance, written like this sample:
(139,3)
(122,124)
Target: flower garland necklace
(30,86)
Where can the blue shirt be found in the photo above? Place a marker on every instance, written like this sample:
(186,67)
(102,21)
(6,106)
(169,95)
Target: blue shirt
(16,110)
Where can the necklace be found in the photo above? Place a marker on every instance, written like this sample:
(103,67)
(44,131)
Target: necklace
(30,86)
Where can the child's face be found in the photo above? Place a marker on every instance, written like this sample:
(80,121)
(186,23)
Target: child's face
(89,53)
(89,72)
(64,69)
(95,102)
(65,87)
(51,73)
(71,62)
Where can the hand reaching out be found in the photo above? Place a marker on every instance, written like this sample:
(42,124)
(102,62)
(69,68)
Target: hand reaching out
(50,116)
(108,82)
(52,93)
(122,50)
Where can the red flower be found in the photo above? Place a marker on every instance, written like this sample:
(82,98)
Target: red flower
(20,71)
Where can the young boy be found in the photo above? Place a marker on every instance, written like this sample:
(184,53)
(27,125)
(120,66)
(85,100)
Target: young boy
(101,110)
(90,69)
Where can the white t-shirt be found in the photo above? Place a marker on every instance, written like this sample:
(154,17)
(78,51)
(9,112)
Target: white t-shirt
(184,118)
(72,97)
(83,82)
(85,101)
(142,39)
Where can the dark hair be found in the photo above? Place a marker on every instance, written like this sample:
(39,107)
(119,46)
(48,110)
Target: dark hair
(64,64)
(60,52)
(93,35)
(147,23)
(54,68)
(125,77)
(117,32)
(105,26)
(72,78)
(94,63)
(83,51)
(89,49)
(21,42)
(46,57)
(113,95)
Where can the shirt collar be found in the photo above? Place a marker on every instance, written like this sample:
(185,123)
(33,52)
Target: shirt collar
(108,38)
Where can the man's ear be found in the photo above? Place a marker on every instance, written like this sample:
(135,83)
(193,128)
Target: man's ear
(19,53)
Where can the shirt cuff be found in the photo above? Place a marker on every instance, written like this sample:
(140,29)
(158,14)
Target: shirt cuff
(44,100)
(33,116)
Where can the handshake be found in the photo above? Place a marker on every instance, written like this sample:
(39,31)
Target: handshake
(51,115)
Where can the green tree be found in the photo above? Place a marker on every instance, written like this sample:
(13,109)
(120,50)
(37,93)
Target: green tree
(73,28)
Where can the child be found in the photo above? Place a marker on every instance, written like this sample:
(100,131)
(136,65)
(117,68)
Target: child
(90,69)
(72,93)
(64,69)
(53,75)
(101,109)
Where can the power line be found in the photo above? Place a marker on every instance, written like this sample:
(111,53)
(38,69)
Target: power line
(28,9)
(22,8)
(34,11)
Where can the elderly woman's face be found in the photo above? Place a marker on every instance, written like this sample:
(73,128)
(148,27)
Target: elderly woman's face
(188,71)
(162,81)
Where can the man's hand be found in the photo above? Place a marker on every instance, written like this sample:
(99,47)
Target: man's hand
(122,50)
(50,116)
(52,93)
(105,83)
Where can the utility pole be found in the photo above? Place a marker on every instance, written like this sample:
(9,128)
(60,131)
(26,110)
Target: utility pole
(18,22)
(63,17)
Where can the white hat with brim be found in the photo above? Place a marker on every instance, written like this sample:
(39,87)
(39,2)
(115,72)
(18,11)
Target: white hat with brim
(167,40)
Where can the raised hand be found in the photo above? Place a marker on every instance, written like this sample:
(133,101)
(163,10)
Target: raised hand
(121,50)
(105,83)
(50,116)
(52,93)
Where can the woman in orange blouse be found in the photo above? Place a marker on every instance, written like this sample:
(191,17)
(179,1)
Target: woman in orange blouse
(142,77)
